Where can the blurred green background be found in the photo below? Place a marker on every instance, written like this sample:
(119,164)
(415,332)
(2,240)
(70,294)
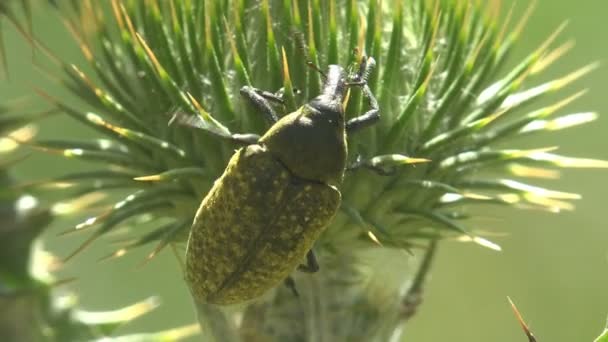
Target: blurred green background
(555,267)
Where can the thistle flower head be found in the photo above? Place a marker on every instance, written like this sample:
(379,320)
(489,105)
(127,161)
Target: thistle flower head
(443,94)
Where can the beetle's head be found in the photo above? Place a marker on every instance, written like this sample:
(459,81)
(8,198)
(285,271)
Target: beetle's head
(336,83)
(333,92)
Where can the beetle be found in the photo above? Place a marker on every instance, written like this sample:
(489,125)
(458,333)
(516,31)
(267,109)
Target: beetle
(278,192)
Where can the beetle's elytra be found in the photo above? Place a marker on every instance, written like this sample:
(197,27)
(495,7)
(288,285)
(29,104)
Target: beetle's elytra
(275,197)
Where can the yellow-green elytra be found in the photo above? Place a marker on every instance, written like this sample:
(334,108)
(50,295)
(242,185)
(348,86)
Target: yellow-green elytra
(275,197)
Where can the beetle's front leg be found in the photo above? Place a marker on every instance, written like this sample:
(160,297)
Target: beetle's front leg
(312,265)
(260,99)
(272,97)
(368,118)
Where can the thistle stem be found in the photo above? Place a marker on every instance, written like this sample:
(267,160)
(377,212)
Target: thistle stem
(413,298)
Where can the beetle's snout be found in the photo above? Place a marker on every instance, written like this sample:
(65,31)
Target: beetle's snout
(335,83)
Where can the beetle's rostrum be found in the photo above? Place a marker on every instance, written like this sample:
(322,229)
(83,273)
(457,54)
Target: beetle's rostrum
(277,194)
(334,87)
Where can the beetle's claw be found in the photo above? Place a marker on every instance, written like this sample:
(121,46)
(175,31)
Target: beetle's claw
(356,164)
(291,285)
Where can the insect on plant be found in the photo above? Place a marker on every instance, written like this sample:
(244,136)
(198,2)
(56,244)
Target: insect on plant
(261,218)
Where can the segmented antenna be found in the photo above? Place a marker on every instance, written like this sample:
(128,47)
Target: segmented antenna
(301,43)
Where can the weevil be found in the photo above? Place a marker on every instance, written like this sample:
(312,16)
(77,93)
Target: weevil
(259,221)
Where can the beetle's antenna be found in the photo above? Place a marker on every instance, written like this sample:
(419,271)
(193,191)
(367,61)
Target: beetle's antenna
(315,67)
(299,37)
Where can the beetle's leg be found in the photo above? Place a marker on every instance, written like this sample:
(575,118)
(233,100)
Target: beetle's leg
(368,118)
(362,121)
(197,122)
(278,96)
(260,99)
(291,285)
(312,265)
(272,97)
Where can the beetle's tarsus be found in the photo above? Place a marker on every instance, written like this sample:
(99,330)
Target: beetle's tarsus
(291,285)
(260,99)
(312,265)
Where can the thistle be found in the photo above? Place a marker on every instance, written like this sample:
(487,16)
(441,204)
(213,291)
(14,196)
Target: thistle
(444,94)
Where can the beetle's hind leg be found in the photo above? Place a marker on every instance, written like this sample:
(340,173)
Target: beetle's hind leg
(291,285)
(312,265)
(261,100)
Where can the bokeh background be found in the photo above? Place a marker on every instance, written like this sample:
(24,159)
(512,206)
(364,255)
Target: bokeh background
(555,267)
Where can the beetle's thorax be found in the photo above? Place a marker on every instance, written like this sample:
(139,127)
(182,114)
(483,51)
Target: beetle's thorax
(311,142)
(329,101)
